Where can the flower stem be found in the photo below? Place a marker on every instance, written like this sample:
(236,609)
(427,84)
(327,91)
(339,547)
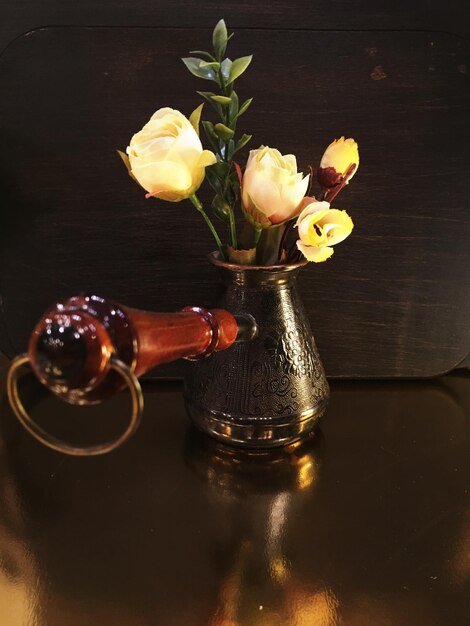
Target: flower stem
(197,203)
(233,229)
(268,249)
(331,194)
(256,236)
(285,234)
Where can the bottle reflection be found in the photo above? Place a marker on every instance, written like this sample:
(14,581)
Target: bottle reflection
(19,572)
(256,497)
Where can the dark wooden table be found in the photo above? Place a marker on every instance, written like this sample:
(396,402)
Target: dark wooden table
(366,524)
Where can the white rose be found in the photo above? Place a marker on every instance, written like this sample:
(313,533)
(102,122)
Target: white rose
(166,157)
(272,189)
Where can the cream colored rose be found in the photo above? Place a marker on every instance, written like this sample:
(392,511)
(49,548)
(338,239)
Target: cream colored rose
(341,158)
(166,157)
(272,189)
(320,228)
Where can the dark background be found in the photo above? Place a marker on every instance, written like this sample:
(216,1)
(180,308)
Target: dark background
(376,527)
(78,79)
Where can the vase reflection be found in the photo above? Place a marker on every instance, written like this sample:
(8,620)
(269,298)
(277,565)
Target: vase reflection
(255,497)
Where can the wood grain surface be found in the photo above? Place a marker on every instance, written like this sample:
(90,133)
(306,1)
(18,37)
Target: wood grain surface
(394,300)
(21,16)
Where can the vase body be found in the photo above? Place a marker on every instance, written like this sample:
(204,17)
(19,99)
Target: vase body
(269,391)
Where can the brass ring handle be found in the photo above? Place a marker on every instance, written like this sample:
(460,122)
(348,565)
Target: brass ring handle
(61,446)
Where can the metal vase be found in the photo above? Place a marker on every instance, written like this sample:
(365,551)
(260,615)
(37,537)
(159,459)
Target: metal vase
(269,391)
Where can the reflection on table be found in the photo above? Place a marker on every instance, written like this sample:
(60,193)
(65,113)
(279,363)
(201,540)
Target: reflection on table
(366,523)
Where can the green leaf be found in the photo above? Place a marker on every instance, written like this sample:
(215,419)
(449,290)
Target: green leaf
(238,67)
(202,53)
(195,118)
(224,132)
(233,109)
(214,181)
(219,39)
(209,127)
(194,66)
(211,136)
(230,149)
(235,186)
(225,68)
(221,168)
(207,95)
(234,179)
(241,143)
(221,99)
(230,196)
(221,208)
(125,160)
(245,106)
(214,64)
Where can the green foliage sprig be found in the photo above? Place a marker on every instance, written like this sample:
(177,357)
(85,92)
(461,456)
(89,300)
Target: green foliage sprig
(222,176)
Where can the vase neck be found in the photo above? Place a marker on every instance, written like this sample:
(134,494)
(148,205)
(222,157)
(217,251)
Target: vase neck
(256,275)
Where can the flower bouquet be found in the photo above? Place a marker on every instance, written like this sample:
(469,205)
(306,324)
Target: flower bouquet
(282,221)
(271,390)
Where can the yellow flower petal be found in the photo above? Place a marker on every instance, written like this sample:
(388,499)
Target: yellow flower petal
(195,118)
(319,208)
(317,255)
(207,158)
(162,176)
(337,226)
(340,154)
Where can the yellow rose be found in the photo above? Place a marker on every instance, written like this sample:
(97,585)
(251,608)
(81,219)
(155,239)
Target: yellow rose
(166,157)
(340,159)
(272,189)
(320,228)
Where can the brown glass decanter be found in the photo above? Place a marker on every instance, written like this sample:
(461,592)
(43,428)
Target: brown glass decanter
(89,348)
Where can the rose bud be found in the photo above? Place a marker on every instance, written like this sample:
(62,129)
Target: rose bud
(166,157)
(340,161)
(272,189)
(320,228)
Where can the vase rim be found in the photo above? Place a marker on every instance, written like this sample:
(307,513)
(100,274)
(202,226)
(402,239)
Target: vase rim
(214,258)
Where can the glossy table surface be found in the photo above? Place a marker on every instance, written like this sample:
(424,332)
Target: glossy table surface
(368,523)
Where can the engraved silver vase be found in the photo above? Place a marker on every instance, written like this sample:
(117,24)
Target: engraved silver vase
(269,391)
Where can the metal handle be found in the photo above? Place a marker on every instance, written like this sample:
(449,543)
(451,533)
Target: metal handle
(61,446)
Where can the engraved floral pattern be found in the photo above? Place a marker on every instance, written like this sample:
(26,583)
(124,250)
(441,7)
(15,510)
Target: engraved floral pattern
(277,376)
